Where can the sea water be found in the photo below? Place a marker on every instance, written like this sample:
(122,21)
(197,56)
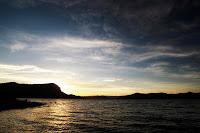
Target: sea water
(104,116)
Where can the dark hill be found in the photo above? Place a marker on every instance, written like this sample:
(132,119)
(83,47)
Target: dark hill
(15,90)
(188,95)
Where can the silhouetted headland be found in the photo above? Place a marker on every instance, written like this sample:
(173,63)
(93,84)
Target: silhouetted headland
(15,90)
(9,92)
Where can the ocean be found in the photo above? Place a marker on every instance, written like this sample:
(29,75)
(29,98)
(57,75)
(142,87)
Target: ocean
(104,116)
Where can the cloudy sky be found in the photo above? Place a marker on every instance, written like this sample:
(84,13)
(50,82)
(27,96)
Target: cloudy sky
(102,47)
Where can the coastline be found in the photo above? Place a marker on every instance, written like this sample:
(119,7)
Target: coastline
(8,104)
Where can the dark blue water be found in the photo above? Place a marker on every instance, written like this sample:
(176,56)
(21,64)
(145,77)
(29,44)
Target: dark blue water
(105,116)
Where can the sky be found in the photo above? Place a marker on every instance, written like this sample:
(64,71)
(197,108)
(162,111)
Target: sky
(102,47)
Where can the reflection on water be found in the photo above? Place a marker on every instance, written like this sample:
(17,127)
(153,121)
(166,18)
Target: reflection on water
(104,116)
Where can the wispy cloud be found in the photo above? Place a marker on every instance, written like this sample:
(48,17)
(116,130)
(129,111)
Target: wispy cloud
(99,54)
(17,47)
(150,52)
(24,69)
(61,41)
(94,49)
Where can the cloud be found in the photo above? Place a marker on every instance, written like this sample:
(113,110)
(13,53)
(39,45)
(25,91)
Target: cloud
(51,42)
(112,79)
(102,54)
(26,73)
(80,43)
(60,60)
(101,45)
(97,48)
(135,17)
(24,69)
(154,40)
(64,49)
(35,74)
(17,47)
(158,54)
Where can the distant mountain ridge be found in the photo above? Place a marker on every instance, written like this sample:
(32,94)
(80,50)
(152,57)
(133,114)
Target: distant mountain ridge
(15,90)
(188,95)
